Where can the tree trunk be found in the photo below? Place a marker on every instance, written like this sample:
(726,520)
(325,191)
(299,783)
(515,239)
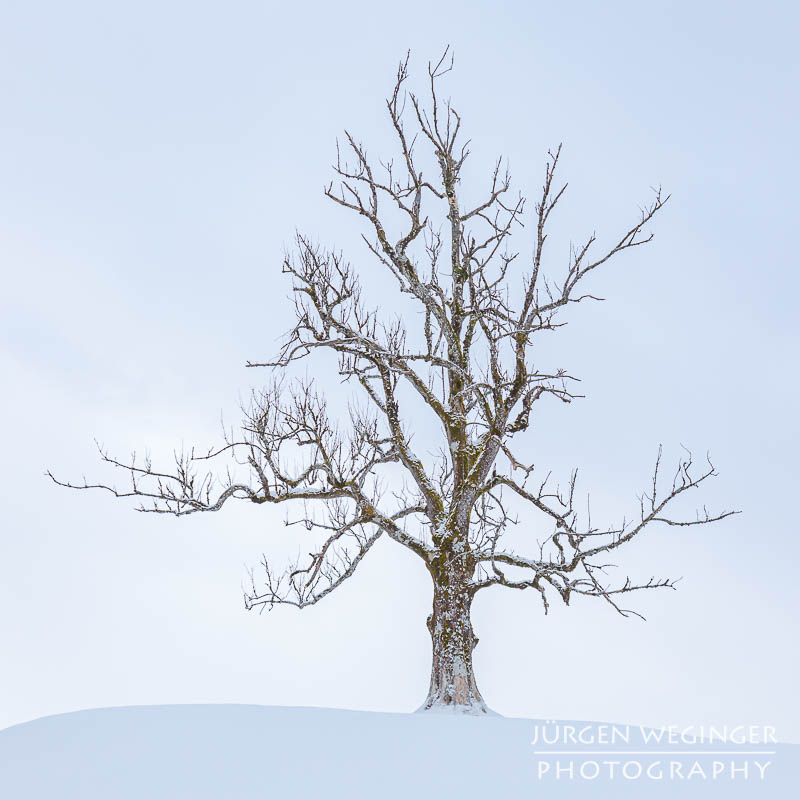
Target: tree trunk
(453,684)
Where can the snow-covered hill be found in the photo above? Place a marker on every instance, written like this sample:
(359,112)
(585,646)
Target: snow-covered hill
(227,752)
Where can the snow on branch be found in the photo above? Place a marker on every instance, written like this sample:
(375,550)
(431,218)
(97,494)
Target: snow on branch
(567,559)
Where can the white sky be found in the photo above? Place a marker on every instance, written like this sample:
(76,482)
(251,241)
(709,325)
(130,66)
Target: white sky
(156,159)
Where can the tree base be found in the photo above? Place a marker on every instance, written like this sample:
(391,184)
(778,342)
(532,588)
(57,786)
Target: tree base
(475,709)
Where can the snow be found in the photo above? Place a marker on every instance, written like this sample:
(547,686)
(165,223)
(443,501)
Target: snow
(226,752)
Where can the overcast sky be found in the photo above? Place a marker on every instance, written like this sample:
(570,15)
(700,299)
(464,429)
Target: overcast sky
(155,161)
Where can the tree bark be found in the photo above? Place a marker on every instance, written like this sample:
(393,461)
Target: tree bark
(453,685)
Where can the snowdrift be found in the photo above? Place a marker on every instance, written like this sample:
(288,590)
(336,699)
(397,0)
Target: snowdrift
(226,752)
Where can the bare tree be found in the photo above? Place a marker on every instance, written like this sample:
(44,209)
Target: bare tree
(466,360)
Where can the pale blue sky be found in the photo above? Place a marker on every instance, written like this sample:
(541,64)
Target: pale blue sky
(155,159)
